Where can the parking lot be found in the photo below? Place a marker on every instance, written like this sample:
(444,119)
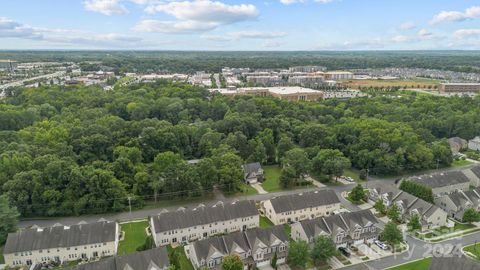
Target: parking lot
(360,254)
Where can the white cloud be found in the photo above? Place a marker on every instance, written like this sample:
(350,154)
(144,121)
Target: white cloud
(467,33)
(195,16)
(272,44)
(12,29)
(246,35)
(289,2)
(106,7)
(456,16)
(401,39)
(407,26)
(424,33)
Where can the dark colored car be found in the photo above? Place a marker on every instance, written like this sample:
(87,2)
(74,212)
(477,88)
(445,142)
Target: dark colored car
(344,251)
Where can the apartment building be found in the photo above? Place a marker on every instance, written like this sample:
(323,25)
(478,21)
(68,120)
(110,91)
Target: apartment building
(256,248)
(152,259)
(187,225)
(301,206)
(459,87)
(430,215)
(345,228)
(339,75)
(268,80)
(443,183)
(307,69)
(61,244)
(314,80)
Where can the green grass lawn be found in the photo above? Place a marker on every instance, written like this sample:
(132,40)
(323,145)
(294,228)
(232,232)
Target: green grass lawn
(265,222)
(2,260)
(423,264)
(272,176)
(474,249)
(178,258)
(134,238)
(460,163)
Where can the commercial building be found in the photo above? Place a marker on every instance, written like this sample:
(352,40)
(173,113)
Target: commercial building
(152,259)
(430,215)
(345,228)
(307,69)
(444,183)
(459,87)
(188,225)
(314,80)
(256,248)
(270,80)
(291,93)
(301,206)
(60,244)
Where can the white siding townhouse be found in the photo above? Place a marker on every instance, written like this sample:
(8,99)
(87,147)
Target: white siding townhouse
(152,259)
(430,215)
(256,247)
(345,228)
(457,202)
(61,243)
(301,206)
(187,225)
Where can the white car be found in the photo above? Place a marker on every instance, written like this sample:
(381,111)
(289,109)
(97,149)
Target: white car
(381,245)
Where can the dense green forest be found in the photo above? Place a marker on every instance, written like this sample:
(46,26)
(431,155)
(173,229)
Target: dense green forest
(75,150)
(189,62)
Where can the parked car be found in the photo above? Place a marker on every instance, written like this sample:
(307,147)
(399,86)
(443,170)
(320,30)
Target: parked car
(381,245)
(344,251)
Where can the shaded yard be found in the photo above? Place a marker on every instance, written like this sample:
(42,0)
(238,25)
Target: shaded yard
(355,174)
(417,265)
(460,163)
(271,181)
(134,237)
(178,258)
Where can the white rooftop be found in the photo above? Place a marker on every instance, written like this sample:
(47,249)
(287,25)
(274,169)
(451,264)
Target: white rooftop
(291,90)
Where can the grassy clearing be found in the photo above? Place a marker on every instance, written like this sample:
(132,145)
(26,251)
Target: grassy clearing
(414,83)
(265,222)
(460,163)
(272,178)
(423,264)
(473,249)
(134,237)
(355,174)
(178,258)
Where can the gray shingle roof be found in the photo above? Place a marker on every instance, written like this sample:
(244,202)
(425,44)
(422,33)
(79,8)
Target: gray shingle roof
(454,262)
(441,179)
(304,200)
(152,259)
(218,212)
(476,171)
(60,237)
(330,224)
(251,167)
(458,199)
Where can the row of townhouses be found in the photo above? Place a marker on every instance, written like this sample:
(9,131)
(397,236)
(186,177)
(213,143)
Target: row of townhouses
(256,247)
(301,206)
(60,244)
(453,190)
(430,215)
(345,229)
(187,225)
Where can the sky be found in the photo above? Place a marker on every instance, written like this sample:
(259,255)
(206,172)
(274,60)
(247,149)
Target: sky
(274,25)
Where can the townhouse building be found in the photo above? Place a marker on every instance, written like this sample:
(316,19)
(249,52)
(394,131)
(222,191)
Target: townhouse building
(444,182)
(345,228)
(301,206)
(61,244)
(430,215)
(457,202)
(187,225)
(256,247)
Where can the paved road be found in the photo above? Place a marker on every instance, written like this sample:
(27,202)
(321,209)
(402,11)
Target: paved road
(139,214)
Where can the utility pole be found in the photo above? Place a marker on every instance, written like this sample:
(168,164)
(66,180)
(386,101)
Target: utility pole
(438,163)
(130,204)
